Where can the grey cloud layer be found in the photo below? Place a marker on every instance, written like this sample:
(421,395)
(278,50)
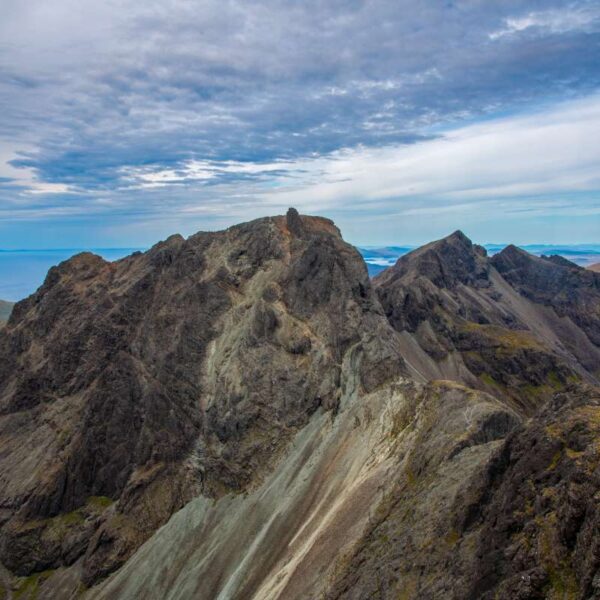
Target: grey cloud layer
(93,91)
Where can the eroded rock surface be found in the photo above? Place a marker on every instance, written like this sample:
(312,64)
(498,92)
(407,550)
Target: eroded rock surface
(517,326)
(516,518)
(306,532)
(5,310)
(169,374)
(243,415)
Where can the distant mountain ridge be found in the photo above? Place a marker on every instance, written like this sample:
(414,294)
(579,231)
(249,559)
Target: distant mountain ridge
(378,259)
(483,319)
(23,271)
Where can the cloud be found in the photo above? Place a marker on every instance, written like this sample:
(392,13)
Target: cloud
(543,161)
(192,171)
(129,110)
(555,21)
(540,161)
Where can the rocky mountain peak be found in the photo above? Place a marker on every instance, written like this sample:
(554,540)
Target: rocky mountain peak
(179,371)
(458,237)
(294,222)
(476,313)
(511,255)
(570,291)
(446,263)
(561,260)
(304,225)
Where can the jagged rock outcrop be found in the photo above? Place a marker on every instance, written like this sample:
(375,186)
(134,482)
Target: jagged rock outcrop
(522,523)
(300,535)
(572,292)
(538,516)
(518,326)
(128,388)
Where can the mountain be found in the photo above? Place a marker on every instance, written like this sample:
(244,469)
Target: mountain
(515,325)
(128,388)
(245,414)
(5,310)
(584,255)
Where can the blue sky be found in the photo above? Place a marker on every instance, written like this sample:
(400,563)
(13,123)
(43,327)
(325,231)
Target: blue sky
(123,122)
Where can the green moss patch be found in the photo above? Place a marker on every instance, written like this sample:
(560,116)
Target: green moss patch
(28,587)
(99,502)
(512,339)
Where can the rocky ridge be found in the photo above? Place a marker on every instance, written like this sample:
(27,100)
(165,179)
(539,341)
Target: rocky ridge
(515,325)
(125,388)
(521,523)
(243,414)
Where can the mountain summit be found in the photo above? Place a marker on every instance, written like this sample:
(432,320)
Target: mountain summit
(446,262)
(514,325)
(244,414)
(129,388)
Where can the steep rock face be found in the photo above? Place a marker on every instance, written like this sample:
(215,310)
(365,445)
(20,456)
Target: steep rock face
(298,534)
(128,388)
(572,292)
(521,523)
(240,415)
(472,317)
(538,516)
(446,263)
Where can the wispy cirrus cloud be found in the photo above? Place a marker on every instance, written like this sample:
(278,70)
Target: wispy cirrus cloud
(547,154)
(541,164)
(575,17)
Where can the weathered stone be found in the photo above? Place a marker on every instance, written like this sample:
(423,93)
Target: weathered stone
(177,372)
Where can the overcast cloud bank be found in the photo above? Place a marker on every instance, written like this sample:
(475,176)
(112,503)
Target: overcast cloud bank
(136,119)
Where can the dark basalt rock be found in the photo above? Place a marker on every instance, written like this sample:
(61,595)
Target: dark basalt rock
(569,290)
(453,299)
(446,263)
(561,261)
(537,522)
(127,389)
(421,283)
(524,525)
(180,371)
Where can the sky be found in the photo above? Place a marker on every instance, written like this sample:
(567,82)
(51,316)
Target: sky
(122,122)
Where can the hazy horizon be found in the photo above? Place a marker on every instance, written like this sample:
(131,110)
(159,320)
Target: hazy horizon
(23,270)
